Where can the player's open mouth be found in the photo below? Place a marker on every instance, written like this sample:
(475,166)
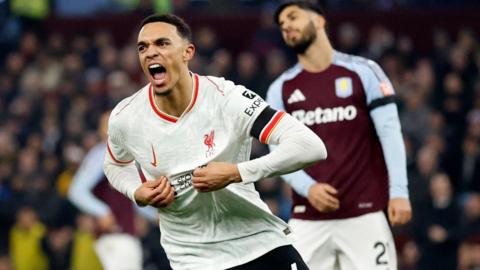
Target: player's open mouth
(158,73)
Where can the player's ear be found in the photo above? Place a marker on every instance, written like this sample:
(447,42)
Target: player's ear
(189,52)
(318,21)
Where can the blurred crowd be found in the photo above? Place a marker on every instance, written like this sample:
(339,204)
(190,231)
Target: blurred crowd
(54,88)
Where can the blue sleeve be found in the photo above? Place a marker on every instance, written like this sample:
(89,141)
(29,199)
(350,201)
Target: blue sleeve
(383,111)
(150,213)
(274,96)
(387,126)
(85,179)
(300,181)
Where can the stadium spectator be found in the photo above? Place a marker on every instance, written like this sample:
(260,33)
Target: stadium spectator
(25,241)
(436,222)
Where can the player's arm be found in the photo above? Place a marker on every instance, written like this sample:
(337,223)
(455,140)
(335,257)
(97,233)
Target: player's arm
(300,181)
(298,146)
(321,196)
(85,179)
(80,192)
(122,174)
(384,114)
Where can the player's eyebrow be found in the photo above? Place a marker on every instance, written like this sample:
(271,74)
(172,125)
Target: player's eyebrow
(289,15)
(162,39)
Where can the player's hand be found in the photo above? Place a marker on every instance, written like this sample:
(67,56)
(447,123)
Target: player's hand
(157,193)
(215,176)
(399,211)
(323,197)
(107,223)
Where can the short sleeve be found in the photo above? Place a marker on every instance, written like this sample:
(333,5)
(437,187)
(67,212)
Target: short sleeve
(378,88)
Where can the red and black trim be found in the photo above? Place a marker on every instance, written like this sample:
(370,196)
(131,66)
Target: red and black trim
(265,123)
(113,156)
(171,118)
(381,102)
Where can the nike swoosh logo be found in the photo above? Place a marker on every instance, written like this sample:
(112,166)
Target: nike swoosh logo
(154,162)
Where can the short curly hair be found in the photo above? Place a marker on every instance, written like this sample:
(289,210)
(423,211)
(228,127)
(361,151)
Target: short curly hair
(183,28)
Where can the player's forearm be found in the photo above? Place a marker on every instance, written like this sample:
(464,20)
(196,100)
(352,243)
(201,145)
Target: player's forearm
(300,181)
(389,133)
(124,178)
(297,148)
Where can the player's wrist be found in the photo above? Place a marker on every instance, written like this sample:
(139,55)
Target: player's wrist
(310,190)
(138,199)
(235,176)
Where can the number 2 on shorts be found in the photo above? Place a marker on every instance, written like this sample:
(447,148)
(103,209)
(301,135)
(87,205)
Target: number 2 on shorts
(381,247)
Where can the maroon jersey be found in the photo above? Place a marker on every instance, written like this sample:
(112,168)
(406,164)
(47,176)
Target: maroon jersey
(91,192)
(120,206)
(336,104)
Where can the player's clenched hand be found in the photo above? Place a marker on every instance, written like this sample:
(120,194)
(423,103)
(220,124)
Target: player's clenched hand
(399,211)
(157,193)
(323,197)
(214,176)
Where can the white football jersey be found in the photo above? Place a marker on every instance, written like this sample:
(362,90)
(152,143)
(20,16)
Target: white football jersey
(212,230)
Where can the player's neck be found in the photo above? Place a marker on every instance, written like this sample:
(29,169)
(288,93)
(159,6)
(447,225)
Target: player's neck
(319,56)
(177,101)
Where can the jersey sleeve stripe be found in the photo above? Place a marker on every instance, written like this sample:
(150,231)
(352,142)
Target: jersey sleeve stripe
(377,71)
(262,120)
(130,101)
(195,94)
(267,131)
(216,86)
(113,157)
(381,102)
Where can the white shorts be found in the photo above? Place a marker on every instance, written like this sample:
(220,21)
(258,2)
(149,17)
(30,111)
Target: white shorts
(360,243)
(119,251)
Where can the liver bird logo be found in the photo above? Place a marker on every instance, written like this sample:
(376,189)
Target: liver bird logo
(208,140)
